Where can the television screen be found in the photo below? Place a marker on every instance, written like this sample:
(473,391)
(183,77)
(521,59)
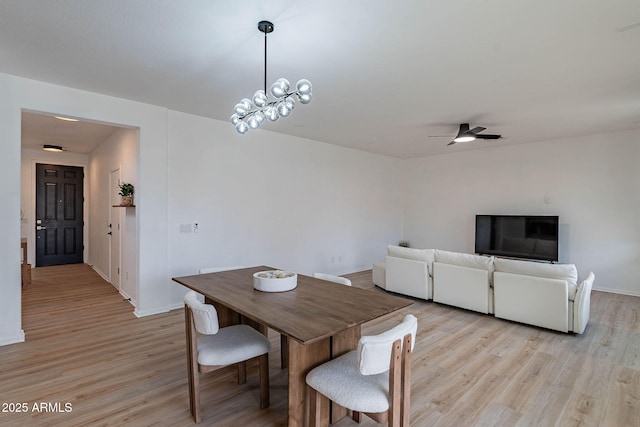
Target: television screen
(518,236)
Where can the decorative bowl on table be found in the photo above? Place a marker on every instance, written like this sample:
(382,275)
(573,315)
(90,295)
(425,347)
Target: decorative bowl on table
(274,281)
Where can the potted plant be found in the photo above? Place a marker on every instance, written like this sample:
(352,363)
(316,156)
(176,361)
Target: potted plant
(126,191)
(403,243)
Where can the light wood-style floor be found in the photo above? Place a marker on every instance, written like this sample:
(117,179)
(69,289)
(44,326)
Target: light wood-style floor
(85,348)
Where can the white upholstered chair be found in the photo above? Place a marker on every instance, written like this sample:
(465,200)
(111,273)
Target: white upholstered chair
(210,347)
(375,379)
(332,278)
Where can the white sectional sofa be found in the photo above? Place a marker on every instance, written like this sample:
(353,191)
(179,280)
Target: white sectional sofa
(408,271)
(545,295)
(463,280)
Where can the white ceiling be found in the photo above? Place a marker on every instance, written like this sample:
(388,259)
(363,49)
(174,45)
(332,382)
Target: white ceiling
(81,137)
(386,74)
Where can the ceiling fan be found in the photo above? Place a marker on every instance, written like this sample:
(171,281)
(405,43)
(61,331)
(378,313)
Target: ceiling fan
(467,135)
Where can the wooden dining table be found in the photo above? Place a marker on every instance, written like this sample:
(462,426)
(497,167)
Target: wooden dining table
(321,319)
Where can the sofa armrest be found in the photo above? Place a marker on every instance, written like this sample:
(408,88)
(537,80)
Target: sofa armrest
(582,304)
(379,275)
(407,277)
(533,300)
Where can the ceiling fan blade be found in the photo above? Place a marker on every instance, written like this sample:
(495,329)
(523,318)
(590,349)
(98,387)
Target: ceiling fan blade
(464,128)
(477,129)
(486,136)
(451,143)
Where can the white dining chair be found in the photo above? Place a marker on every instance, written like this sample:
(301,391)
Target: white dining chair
(210,347)
(284,343)
(332,278)
(374,380)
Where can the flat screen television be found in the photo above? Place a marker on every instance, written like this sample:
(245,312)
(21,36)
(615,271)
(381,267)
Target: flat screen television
(518,236)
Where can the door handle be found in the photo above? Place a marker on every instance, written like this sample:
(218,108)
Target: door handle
(39,227)
(109,233)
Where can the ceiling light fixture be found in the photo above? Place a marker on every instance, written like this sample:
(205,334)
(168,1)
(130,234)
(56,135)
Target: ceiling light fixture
(68,119)
(250,113)
(52,148)
(464,134)
(464,138)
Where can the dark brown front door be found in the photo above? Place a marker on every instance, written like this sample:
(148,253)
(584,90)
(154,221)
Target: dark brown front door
(59,210)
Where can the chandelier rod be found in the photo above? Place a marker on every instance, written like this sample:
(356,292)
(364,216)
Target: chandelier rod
(266,27)
(265,62)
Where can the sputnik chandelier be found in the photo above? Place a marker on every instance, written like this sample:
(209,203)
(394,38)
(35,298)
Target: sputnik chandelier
(250,113)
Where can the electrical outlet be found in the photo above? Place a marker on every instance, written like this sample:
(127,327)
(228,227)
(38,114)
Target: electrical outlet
(333,260)
(195,227)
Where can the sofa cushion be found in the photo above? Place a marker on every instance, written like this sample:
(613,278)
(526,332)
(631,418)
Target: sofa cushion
(465,260)
(566,272)
(426,255)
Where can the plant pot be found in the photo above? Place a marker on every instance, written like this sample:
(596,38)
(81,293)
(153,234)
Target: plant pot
(127,200)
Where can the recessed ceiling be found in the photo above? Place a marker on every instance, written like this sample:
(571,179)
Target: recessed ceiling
(385,74)
(81,137)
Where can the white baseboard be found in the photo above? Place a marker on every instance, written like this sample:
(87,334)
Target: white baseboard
(352,269)
(12,340)
(139,313)
(618,291)
(100,273)
(128,298)
(176,306)
(145,313)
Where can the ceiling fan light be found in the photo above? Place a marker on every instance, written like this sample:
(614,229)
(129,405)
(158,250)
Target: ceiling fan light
(464,138)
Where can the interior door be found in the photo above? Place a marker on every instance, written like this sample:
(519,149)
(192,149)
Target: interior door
(114,229)
(59,214)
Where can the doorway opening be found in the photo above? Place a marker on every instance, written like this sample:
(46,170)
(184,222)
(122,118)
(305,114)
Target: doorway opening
(67,197)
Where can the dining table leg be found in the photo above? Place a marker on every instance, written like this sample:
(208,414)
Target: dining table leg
(302,358)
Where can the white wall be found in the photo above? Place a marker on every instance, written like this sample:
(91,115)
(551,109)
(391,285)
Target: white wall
(151,211)
(120,151)
(260,198)
(269,199)
(592,183)
(29,158)
(10,288)
(265,198)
